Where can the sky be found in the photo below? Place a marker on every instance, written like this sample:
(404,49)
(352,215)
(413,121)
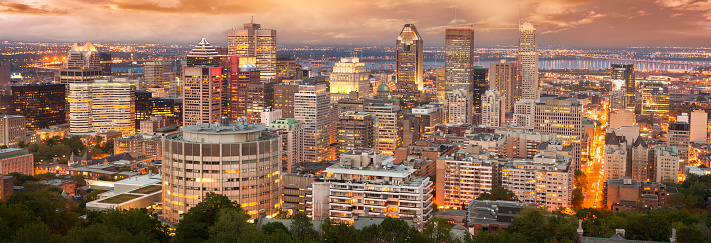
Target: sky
(566,23)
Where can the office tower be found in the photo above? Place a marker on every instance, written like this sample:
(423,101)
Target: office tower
(666,163)
(202,95)
(286,67)
(241,161)
(626,72)
(147,107)
(260,97)
(102,106)
(524,110)
(655,100)
(479,86)
(5,73)
(16,160)
(12,130)
(312,106)
(640,164)
(503,76)
(493,108)
(159,74)
(699,129)
(429,116)
(42,105)
(242,72)
(83,65)
(105,62)
(409,62)
(459,59)
(411,127)
(388,127)
(292,135)
(552,185)
(464,176)
(284,98)
(523,143)
(615,158)
(459,107)
(678,136)
(269,115)
(364,169)
(149,145)
(348,76)
(618,95)
(440,83)
(356,130)
(295,190)
(564,118)
(203,54)
(253,41)
(143,107)
(528,61)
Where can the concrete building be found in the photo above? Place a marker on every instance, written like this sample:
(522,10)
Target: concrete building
(42,105)
(503,76)
(270,115)
(312,107)
(624,193)
(160,74)
(564,119)
(139,143)
(202,95)
(253,41)
(284,98)
(698,127)
(102,106)
(16,160)
(552,185)
(241,161)
(356,130)
(243,72)
(655,97)
(459,59)
(292,137)
(528,61)
(154,125)
(464,175)
(616,159)
(678,136)
(621,118)
(5,73)
(369,184)
(626,73)
(640,166)
(388,127)
(524,110)
(484,216)
(349,75)
(440,83)
(409,63)
(493,108)
(522,143)
(460,105)
(83,65)
(666,163)
(12,130)
(260,97)
(295,189)
(428,115)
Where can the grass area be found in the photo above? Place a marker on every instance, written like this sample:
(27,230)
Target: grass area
(119,199)
(148,190)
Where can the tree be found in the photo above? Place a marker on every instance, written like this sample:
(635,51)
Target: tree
(48,204)
(392,230)
(20,179)
(135,221)
(231,221)
(93,195)
(35,232)
(273,228)
(578,197)
(303,227)
(498,193)
(338,233)
(125,169)
(438,230)
(194,227)
(101,233)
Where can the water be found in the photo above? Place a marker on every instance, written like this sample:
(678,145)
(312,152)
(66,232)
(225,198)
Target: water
(125,69)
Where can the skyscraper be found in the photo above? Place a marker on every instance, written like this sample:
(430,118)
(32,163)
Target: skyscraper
(349,75)
(83,65)
(355,131)
(528,61)
(479,86)
(388,127)
(409,63)
(459,59)
(202,85)
(253,41)
(493,108)
(312,106)
(42,105)
(158,74)
(626,72)
(242,72)
(503,76)
(655,97)
(564,118)
(102,106)
(459,105)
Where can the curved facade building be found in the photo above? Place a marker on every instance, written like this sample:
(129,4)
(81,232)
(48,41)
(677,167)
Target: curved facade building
(240,161)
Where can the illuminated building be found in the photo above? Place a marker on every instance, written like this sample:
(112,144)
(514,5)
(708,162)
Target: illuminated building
(349,75)
(459,107)
(284,98)
(260,97)
(564,118)
(253,41)
(429,116)
(238,160)
(503,76)
(618,95)
(16,160)
(463,176)
(312,106)
(5,73)
(202,95)
(493,108)
(203,54)
(528,61)
(105,60)
(409,63)
(545,181)
(523,112)
(42,105)
(523,143)
(440,83)
(242,72)
(102,106)
(621,118)
(459,59)
(149,145)
(12,130)
(159,74)
(655,97)
(678,136)
(388,127)
(666,163)
(362,184)
(286,67)
(616,158)
(626,72)
(699,126)
(479,86)
(292,135)
(640,165)
(155,125)
(356,131)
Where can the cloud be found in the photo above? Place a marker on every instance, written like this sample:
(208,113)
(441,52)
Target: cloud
(190,6)
(19,8)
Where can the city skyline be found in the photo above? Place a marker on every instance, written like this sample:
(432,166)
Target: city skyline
(561,22)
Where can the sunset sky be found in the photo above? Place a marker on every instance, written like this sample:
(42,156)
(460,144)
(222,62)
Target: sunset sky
(570,23)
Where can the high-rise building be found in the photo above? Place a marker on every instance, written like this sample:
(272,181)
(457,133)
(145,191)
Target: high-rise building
(105,60)
(149,145)
(429,116)
(312,106)
(147,106)
(479,86)
(459,105)
(102,106)
(159,74)
(286,67)
(459,59)
(666,163)
(626,72)
(546,181)
(678,136)
(464,176)
(503,76)
(493,108)
(528,61)
(640,165)
(83,65)
(699,126)
(349,75)
(5,73)
(618,95)
(12,130)
(564,118)
(523,143)
(388,127)
(284,98)
(356,130)
(655,96)
(253,41)
(440,83)
(524,110)
(241,161)
(409,62)
(203,54)
(42,105)
(342,189)
(616,158)
(242,72)
(202,95)
(292,135)
(260,97)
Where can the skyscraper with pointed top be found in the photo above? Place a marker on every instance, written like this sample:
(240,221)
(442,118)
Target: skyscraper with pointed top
(202,81)
(409,63)
(253,41)
(528,61)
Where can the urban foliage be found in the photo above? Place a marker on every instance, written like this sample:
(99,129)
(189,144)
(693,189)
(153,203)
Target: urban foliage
(498,193)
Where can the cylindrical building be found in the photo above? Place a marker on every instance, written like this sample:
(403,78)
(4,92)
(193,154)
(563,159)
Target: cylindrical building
(240,161)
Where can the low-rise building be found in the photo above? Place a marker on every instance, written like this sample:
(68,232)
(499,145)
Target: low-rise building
(149,145)
(7,185)
(484,216)
(295,191)
(16,160)
(626,193)
(545,181)
(12,130)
